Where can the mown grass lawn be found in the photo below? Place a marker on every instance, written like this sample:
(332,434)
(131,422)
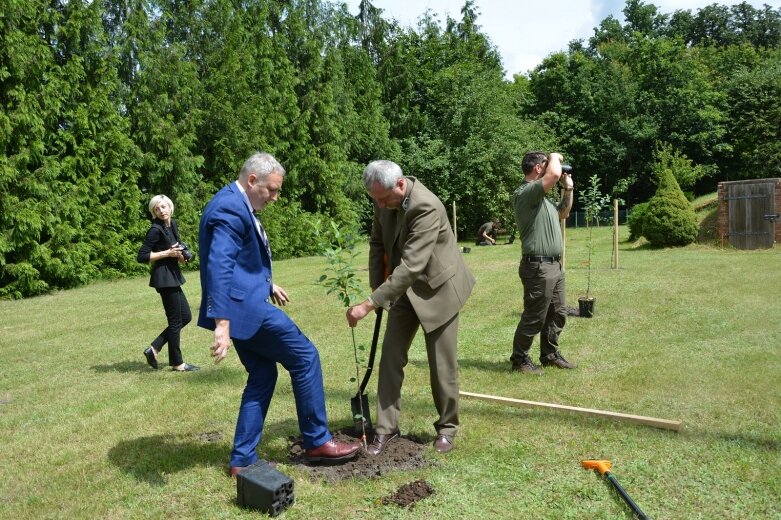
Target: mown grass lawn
(691,334)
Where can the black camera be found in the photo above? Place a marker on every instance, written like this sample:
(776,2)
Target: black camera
(186,253)
(566,168)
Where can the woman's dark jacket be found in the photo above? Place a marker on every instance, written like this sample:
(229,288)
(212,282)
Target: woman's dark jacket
(164,272)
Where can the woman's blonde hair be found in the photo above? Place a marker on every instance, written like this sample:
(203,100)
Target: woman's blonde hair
(157,199)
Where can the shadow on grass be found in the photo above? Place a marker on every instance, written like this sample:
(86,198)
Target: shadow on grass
(122,366)
(502,365)
(760,442)
(150,459)
(205,375)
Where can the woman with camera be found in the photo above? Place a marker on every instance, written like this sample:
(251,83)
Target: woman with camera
(163,250)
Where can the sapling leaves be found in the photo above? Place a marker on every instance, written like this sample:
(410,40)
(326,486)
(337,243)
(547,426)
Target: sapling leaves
(341,277)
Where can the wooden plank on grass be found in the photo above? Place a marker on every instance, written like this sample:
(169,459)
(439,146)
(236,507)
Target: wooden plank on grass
(638,419)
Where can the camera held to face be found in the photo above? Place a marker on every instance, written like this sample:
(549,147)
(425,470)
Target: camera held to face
(566,168)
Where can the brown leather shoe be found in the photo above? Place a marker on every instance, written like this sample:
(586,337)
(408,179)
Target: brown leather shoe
(235,470)
(380,441)
(332,452)
(558,361)
(444,443)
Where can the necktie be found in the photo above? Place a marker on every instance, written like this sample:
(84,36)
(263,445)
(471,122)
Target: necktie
(263,236)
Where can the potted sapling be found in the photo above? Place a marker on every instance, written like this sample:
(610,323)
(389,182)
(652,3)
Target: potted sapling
(593,203)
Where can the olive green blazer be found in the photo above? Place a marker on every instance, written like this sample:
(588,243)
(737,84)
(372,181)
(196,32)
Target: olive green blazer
(423,258)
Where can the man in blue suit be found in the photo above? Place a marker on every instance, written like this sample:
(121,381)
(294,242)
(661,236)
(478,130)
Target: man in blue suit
(237,304)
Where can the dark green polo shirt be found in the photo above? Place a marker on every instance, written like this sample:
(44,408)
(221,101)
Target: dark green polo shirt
(537,220)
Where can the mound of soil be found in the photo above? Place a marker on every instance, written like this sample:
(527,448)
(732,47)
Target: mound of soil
(408,494)
(402,454)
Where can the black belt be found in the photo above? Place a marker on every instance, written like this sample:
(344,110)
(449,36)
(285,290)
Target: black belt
(549,259)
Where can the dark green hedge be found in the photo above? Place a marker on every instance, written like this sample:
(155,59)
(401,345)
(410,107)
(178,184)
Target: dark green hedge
(670,219)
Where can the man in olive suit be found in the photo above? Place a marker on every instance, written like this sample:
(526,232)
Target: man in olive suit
(427,285)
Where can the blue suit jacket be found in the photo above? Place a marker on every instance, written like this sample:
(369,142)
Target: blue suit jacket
(235,266)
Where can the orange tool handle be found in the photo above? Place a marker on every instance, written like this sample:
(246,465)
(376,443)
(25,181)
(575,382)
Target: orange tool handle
(603,466)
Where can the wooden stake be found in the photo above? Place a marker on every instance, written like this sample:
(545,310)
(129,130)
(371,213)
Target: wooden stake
(639,419)
(615,233)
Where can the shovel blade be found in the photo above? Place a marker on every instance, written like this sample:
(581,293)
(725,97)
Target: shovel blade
(362,418)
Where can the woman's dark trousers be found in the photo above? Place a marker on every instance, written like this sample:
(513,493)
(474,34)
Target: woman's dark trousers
(177,311)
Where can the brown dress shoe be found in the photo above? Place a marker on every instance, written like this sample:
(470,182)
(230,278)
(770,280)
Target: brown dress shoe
(380,441)
(332,452)
(444,443)
(235,470)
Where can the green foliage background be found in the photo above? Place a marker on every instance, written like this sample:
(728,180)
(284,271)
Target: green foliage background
(636,220)
(106,103)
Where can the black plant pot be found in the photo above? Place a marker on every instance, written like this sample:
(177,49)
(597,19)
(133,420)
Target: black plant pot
(586,307)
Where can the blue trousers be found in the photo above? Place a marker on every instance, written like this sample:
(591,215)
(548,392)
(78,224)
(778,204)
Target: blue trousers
(279,340)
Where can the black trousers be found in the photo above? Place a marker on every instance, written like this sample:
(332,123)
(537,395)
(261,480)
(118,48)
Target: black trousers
(177,311)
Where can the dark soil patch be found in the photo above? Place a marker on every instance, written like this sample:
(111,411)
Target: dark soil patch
(410,493)
(209,436)
(402,454)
